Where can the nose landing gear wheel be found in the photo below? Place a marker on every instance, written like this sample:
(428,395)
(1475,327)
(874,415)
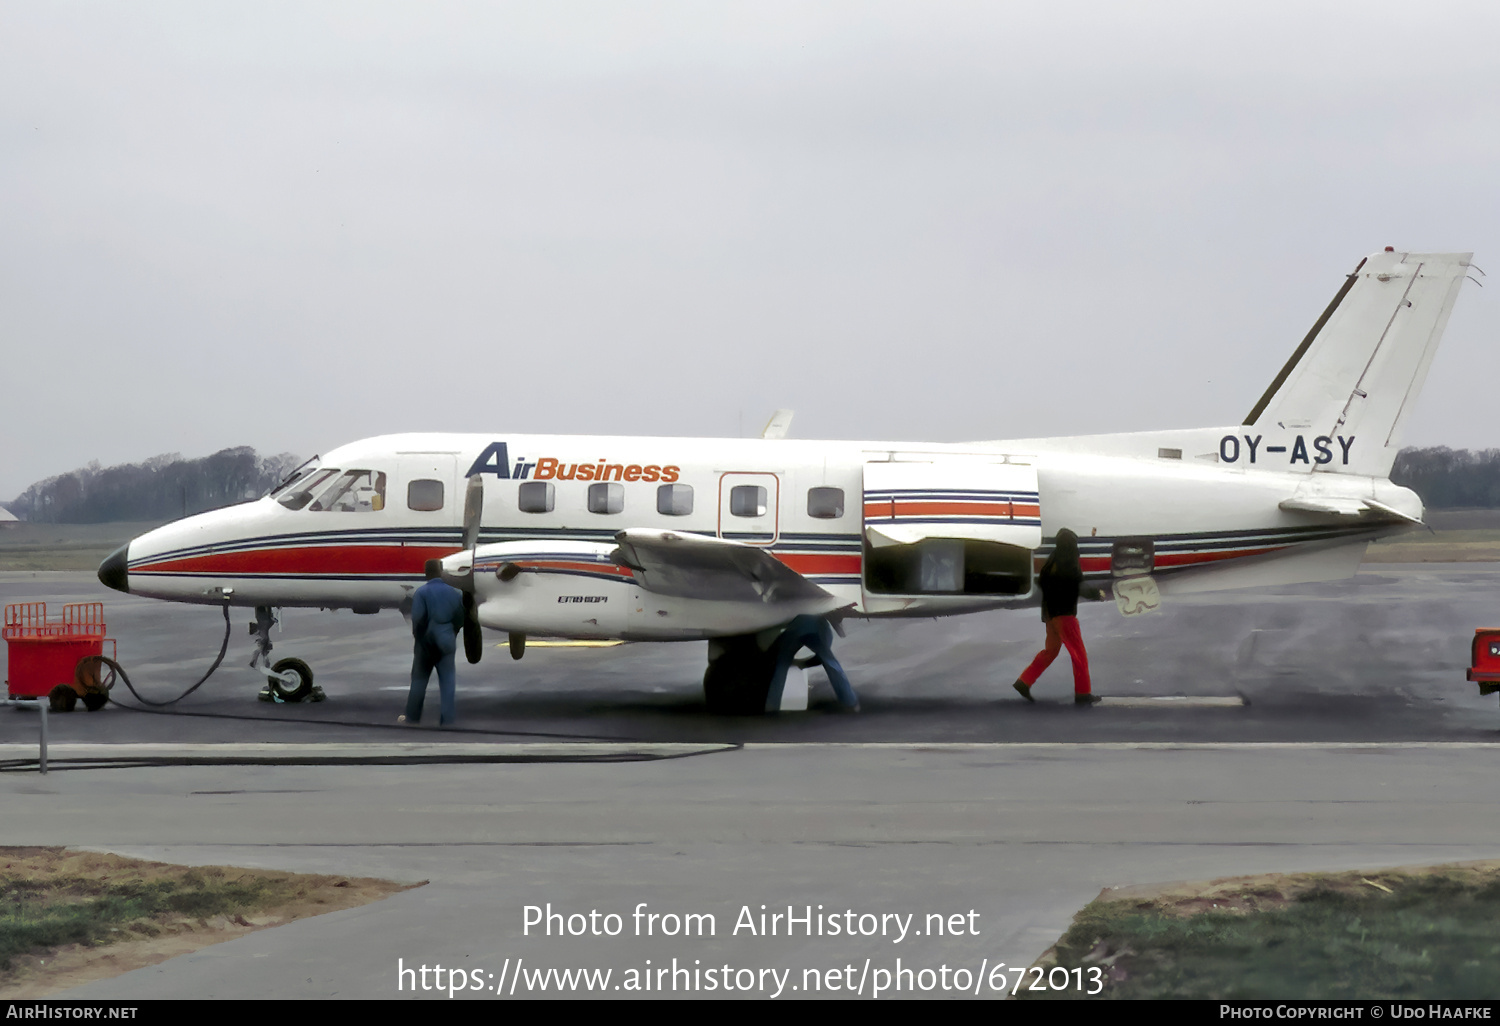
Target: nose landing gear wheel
(294,692)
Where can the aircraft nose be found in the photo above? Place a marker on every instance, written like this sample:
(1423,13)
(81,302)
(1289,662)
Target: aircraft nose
(113,572)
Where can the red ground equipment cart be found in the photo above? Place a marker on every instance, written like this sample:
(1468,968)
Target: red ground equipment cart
(56,657)
(1485,665)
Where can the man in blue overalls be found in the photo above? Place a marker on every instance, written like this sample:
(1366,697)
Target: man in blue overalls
(437,618)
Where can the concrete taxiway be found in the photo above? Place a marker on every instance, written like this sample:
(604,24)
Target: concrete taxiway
(1361,746)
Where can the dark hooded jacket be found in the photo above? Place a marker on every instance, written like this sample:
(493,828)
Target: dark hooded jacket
(1061,577)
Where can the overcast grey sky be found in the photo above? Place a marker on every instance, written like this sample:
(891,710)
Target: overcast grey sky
(290,225)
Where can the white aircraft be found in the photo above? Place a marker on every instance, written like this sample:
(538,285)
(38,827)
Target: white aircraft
(726,540)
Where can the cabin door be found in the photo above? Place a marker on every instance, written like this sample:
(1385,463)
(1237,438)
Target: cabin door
(750,508)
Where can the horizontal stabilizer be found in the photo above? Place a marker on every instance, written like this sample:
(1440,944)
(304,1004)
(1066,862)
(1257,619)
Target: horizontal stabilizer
(1332,507)
(1338,506)
(1391,513)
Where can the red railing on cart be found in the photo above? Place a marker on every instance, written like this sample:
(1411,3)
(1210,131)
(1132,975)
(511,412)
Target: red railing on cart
(30,620)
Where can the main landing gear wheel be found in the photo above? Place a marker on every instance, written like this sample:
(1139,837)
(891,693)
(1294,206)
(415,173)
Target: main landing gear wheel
(291,692)
(738,677)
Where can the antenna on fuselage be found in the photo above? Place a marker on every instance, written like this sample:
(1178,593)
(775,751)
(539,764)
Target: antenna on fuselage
(779,424)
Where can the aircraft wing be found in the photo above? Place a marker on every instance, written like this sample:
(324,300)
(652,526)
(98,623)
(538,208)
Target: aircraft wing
(697,566)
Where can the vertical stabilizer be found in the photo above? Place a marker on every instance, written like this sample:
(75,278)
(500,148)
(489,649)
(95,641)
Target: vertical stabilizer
(1360,368)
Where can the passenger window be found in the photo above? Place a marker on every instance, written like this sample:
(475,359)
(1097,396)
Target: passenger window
(674,500)
(825,503)
(357,491)
(606,497)
(300,492)
(535,497)
(424,496)
(747,501)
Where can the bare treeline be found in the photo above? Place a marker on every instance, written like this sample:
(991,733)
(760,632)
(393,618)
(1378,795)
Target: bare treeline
(162,488)
(1450,478)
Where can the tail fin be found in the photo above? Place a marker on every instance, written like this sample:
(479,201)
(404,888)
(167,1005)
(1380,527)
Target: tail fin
(1360,368)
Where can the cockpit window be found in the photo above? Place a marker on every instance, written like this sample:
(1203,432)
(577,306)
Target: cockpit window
(298,492)
(356,491)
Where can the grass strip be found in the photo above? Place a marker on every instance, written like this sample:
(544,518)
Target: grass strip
(48,913)
(57,906)
(1428,933)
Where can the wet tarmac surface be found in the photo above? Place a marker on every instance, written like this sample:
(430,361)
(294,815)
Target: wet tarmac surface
(1380,657)
(1362,745)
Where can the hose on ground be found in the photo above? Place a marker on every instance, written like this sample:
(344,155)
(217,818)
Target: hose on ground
(120,671)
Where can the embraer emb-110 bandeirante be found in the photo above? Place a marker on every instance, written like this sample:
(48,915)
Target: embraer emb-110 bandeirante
(728,540)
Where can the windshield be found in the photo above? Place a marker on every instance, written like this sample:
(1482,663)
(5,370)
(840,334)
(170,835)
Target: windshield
(298,492)
(357,491)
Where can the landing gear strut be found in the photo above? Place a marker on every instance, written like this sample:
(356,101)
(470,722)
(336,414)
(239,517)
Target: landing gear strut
(289,680)
(260,629)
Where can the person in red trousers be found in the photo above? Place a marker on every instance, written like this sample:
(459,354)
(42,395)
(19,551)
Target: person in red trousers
(1061,581)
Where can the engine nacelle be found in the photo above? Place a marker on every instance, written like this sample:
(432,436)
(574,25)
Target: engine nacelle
(579,590)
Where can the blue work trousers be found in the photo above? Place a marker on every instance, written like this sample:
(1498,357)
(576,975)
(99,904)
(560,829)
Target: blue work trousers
(814,633)
(426,658)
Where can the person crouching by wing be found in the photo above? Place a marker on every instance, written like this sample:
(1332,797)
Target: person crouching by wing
(437,618)
(1061,580)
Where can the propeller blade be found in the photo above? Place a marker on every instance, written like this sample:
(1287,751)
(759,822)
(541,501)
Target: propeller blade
(473,510)
(473,634)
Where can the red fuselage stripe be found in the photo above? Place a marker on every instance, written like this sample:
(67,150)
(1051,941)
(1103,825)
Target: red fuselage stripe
(387,560)
(1101,564)
(311,560)
(816,564)
(586,568)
